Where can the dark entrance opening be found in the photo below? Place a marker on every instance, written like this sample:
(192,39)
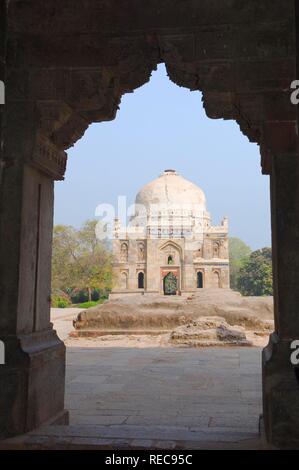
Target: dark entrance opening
(170,284)
(141,281)
(199,280)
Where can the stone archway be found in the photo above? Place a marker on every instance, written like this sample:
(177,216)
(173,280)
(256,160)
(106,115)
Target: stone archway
(170,253)
(216,279)
(124,280)
(241,55)
(170,284)
(199,280)
(141,280)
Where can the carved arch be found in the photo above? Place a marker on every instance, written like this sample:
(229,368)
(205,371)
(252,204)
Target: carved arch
(82,82)
(171,243)
(172,250)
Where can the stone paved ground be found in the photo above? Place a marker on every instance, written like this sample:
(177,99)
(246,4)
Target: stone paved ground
(135,394)
(156,398)
(170,394)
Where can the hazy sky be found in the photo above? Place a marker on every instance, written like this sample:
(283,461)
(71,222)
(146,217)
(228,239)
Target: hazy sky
(162,126)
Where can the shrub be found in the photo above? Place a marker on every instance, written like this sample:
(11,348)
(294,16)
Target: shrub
(60,299)
(79,296)
(93,303)
(60,302)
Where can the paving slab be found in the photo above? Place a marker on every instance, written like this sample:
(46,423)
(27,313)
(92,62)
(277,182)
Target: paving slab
(170,394)
(157,398)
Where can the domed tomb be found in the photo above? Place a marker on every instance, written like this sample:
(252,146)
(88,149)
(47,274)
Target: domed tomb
(170,244)
(171,190)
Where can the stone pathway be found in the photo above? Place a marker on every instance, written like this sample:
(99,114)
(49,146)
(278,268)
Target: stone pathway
(63,318)
(134,394)
(169,394)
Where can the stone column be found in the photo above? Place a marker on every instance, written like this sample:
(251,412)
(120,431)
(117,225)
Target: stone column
(32,379)
(280,376)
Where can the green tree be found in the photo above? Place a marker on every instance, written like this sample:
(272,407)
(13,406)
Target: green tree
(239,254)
(255,277)
(64,252)
(80,260)
(94,266)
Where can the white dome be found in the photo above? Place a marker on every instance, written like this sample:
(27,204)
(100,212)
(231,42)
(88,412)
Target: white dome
(172,190)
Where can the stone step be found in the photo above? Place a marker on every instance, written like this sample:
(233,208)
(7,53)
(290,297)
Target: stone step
(114,437)
(89,333)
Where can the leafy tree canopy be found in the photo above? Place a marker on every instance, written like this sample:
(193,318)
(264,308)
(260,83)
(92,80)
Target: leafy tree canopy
(80,260)
(255,277)
(239,253)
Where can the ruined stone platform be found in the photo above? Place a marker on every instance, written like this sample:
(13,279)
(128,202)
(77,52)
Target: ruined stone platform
(157,314)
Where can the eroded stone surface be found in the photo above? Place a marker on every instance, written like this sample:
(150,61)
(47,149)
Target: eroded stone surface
(209,331)
(153,313)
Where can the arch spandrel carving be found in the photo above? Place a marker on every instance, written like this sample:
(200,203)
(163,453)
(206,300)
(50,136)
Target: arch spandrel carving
(102,16)
(92,95)
(65,123)
(79,77)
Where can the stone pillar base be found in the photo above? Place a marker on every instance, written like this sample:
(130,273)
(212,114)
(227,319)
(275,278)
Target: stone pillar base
(32,382)
(280,395)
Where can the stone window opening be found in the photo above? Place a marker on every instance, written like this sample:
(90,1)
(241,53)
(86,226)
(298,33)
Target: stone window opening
(199,280)
(141,280)
(170,259)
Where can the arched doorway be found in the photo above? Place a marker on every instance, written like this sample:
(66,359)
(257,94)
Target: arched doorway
(199,280)
(170,284)
(140,280)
